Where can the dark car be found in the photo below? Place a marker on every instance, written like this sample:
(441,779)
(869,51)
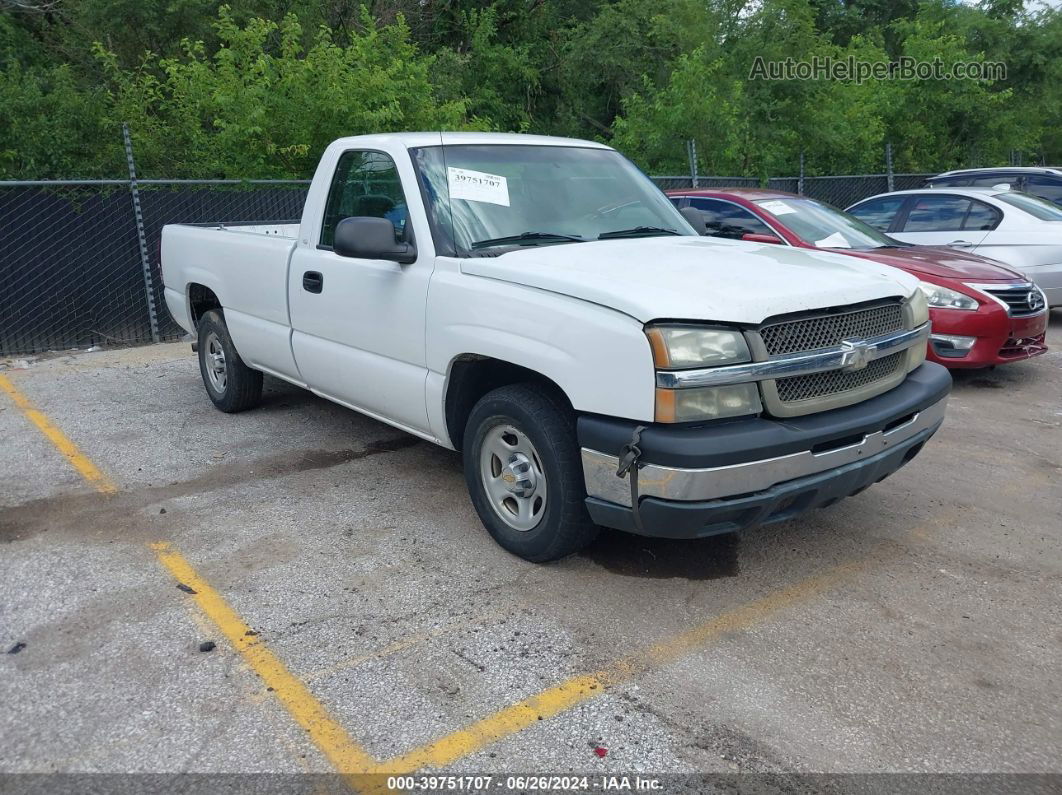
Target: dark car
(1043,182)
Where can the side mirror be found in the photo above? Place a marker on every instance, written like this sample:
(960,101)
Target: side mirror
(695,218)
(754,238)
(365,237)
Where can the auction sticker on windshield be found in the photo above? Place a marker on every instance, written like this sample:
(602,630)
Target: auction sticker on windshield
(777,207)
(477,186)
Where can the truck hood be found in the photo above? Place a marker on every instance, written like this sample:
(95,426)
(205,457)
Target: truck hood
(940,261)
(695,278)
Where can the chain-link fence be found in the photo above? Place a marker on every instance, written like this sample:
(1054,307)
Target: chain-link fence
(72,272)
(79,260)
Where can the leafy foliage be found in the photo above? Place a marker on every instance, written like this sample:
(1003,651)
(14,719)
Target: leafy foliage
(257,88)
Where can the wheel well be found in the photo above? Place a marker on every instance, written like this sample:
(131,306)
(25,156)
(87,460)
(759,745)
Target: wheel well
(201,299)
(471,377)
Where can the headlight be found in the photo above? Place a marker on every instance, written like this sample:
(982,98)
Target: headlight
(942,298)
(707,403)
(678,347)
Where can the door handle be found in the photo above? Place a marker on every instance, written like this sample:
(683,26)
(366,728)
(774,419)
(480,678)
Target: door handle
(960,243)
(312,282)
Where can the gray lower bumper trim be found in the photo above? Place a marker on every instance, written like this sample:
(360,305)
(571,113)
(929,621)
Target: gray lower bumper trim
(671,483)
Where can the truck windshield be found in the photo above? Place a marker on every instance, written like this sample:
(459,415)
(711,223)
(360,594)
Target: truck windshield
(485,197)
(826,227)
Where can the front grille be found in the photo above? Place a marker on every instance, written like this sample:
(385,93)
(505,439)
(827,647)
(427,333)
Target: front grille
(826,331)
(1021,300)
(835,382)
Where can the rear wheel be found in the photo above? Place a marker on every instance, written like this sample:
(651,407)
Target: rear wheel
(231,384)
(524,474)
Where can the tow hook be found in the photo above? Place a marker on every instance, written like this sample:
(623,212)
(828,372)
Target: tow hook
(629,466)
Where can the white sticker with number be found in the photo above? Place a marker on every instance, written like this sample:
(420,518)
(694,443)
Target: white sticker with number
(477,186)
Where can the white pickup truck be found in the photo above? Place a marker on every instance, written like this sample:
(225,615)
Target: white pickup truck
(538,304)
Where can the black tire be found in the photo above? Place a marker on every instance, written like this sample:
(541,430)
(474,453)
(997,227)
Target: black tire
(544,418)
(242,387)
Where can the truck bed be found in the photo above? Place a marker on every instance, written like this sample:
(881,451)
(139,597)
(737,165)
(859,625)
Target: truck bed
(246,267)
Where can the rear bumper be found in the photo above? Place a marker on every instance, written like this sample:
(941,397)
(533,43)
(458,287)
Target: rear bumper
(723,477)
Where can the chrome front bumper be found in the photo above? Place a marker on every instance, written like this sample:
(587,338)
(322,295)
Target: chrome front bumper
(687,485)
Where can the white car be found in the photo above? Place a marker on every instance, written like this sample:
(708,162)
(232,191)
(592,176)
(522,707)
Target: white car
(539,304)
(1015,228)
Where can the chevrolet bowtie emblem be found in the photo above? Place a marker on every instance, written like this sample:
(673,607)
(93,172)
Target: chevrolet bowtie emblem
(509,477)
(855,355)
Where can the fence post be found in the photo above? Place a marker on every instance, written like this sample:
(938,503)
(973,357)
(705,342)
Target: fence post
(800,179)
(888,165)
(691,153)
(145,263)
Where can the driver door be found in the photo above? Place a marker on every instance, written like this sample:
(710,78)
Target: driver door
(358,324)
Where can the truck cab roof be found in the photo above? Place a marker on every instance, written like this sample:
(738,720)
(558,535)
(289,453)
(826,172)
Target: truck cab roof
(411,140)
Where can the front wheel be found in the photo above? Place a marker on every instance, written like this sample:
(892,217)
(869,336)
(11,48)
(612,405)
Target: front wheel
(524,474)
(231,384)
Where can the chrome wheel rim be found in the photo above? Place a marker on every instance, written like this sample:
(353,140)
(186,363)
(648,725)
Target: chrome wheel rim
(513,477)
(214,360)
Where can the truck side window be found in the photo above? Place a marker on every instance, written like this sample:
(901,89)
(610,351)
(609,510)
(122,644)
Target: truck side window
(365,184)
(723,219)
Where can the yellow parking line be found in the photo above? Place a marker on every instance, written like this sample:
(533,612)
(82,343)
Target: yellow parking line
(362,771)
(326,733)
(513,719)
(329,736)
(77,459)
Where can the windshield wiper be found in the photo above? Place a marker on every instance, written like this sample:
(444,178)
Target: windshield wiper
(638,231)
(525,237)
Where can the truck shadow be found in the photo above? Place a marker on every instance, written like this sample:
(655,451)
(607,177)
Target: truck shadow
(664,558)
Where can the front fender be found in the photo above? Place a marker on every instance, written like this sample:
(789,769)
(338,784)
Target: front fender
(599,357)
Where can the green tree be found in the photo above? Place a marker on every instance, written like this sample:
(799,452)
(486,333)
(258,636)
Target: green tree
(699,102)
(759,127)
(53,128)
(498,80)
(940,124)
(252,109)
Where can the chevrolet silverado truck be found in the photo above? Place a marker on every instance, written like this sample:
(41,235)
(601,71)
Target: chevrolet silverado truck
(540,306)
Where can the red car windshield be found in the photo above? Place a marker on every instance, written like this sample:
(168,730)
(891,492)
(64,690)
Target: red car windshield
(823,226)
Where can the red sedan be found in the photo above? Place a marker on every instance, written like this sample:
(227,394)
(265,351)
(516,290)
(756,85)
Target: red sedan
(982,313)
